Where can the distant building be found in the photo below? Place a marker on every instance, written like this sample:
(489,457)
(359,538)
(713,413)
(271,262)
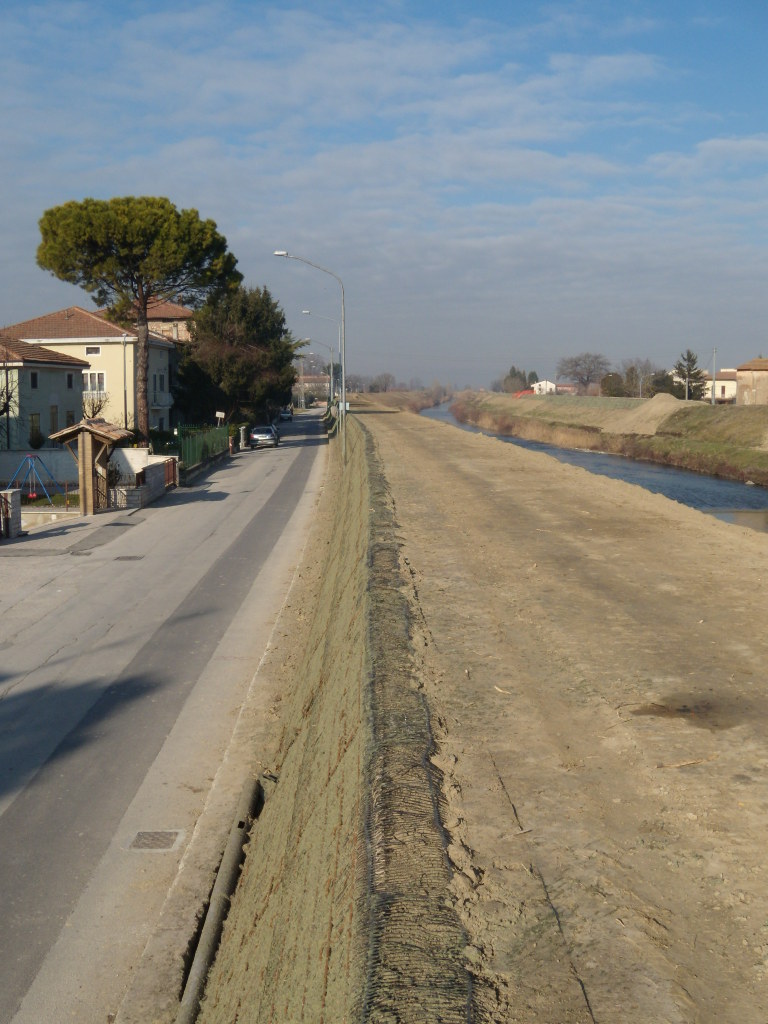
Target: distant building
(315,385)
(544,387)
(170,320)
(725,387)
(752,382)
(40,392)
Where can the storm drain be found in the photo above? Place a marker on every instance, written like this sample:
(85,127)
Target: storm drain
(129,558)
(155,841)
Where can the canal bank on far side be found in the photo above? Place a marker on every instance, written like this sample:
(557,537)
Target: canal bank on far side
(728,441)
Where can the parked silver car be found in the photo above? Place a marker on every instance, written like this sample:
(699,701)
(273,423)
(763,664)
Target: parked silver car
(263,437)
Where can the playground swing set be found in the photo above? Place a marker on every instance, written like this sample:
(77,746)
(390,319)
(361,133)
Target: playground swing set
(30,466)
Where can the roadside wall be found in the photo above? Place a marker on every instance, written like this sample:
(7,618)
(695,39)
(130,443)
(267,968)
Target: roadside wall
(295,936)
(343,910)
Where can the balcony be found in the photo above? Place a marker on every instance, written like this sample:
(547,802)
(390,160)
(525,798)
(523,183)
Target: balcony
(160,400)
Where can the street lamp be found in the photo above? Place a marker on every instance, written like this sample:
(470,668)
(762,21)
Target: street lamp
(330,386)
(301,259)
(308,312)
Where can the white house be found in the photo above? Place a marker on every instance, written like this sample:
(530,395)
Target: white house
(725,387)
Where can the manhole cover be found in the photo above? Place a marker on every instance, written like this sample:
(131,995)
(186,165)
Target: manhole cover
(157,840)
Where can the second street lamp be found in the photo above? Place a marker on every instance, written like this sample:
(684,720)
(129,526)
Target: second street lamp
(330,386)
(319,316)
(343,410)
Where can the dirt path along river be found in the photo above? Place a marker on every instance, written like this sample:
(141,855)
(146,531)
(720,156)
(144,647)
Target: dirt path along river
(594,656)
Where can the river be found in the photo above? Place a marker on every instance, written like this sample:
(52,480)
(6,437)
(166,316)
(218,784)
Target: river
(731,502)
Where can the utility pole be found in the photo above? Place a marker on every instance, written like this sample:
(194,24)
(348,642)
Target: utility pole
(714,375)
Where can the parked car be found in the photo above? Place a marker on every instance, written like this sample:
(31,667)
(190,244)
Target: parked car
(286,414)
(263,437)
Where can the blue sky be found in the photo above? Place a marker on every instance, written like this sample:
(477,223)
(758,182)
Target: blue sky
(496,183)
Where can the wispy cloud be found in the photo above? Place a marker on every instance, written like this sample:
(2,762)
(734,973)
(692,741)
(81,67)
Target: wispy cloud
(495,188)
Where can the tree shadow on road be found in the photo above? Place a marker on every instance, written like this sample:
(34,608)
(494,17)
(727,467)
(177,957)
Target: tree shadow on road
(50,722)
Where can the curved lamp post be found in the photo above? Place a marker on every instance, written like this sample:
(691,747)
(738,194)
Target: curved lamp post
(301,259)
(330,350)
(333,320)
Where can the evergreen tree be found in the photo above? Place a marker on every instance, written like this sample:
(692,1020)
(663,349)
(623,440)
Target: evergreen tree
(240,358)
(689,378)
(131,251)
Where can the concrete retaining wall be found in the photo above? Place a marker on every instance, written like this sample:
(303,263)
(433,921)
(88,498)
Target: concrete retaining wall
(127,496)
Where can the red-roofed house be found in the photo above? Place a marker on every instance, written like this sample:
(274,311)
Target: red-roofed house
(169,320)
(110,351)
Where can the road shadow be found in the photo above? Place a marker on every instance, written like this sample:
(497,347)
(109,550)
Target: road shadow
(32,722)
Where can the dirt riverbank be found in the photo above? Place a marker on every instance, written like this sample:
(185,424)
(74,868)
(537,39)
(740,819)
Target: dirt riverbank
(726,441)
(518,729)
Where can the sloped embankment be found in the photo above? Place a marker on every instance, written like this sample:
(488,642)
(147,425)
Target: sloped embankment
(342,911)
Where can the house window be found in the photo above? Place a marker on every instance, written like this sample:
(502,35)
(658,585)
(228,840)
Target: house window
(34,424)
(93,382)
(162,382)
(54,410)
(34,380)
(70,418)
(93,350)
(70,382)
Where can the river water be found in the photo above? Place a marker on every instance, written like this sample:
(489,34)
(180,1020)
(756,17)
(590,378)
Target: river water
(732,502)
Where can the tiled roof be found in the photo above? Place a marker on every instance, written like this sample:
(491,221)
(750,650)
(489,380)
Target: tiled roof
(110,432)
(160,309)
(721,375)
(14,351)
(754,364)
(72,322)
(168,311)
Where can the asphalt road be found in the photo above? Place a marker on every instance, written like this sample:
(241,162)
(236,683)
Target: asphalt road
(128,645)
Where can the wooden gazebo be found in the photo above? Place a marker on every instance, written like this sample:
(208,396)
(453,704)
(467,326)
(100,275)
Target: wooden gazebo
(90,443)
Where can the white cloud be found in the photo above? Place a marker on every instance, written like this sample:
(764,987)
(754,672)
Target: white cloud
(493,190)
(716,156)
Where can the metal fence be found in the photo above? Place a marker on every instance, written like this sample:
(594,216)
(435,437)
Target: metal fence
(199,444)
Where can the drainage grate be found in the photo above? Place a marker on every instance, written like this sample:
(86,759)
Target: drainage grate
(155,841)
(129,558)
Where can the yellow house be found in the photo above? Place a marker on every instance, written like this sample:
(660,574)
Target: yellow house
(109,385)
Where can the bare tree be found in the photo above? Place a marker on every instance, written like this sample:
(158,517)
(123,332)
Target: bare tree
(94,402)
(584,369)
(638,377)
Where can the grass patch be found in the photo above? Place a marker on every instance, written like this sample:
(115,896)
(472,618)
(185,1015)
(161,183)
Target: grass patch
(72,500)
(744,426)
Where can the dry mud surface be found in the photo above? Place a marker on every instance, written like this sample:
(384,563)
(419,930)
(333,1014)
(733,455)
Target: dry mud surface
(580,726)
